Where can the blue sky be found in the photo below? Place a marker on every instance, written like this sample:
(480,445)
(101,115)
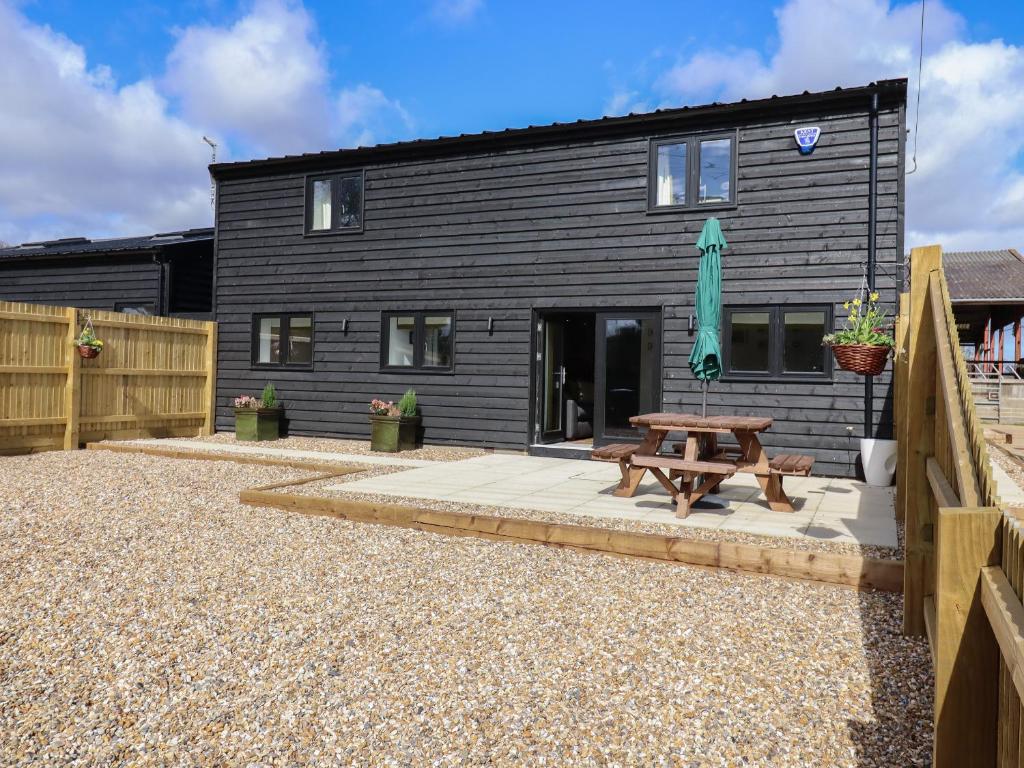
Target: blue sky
(504,64)
(107,102)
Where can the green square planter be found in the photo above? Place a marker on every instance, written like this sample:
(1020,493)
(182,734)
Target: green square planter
(393,433)
(255,424)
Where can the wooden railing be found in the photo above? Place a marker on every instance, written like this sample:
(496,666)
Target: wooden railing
(964,554)
(155,377)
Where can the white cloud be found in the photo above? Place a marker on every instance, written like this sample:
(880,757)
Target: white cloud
(264,78)
(968,187)
(265,81)
(82,155)
(85,155)
(364,114)
(623,101)
(456,11)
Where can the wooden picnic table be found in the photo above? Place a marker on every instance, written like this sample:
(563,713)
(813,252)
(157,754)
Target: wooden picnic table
(702,459)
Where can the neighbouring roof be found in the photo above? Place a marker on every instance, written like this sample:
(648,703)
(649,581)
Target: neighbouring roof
(83,246)
(659,118)
(984,276)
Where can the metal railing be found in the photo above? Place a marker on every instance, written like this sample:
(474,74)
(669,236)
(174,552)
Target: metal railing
(994,370)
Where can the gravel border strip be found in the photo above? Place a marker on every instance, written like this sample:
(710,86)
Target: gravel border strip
(317,487)
(357,447)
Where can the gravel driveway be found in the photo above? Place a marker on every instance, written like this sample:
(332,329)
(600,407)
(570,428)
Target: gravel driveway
(148,618)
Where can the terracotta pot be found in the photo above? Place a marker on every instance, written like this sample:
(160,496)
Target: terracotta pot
(865,359)
(84,350)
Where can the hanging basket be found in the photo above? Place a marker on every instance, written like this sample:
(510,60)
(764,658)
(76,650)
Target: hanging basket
(84,350)
(865,359)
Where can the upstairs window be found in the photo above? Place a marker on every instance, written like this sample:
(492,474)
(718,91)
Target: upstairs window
(776,341)
(284,340)
(692,172)
(334,203)
(418,340)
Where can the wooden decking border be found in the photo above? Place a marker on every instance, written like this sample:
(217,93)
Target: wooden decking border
(821,567)
(817,567)
(237,458)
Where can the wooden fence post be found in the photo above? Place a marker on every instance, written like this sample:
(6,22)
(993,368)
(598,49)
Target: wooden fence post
(966,651)
(920,436)
(210,390)
(72,384)
(900,399)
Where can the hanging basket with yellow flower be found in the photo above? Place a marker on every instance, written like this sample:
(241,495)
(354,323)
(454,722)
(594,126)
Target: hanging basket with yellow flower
(866,342)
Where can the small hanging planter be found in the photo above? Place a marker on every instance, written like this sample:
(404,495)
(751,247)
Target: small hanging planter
(865,344)
(88,345)
(865,359)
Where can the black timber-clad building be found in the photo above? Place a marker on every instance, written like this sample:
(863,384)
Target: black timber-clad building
(535,286)
(170,273)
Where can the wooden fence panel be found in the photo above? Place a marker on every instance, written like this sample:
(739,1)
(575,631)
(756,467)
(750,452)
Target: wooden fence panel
(966,590)
(154,378)
(34,358)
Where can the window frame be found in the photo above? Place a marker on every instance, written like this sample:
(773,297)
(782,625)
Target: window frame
(419,318)
(692,141)
(121,306)
(307,200)
(286,329)
(776,331)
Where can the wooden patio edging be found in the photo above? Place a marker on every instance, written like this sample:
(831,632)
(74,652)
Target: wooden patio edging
(820,567)
(236,458)
(816,567)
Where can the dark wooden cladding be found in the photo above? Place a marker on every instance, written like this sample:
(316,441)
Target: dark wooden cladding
(561,223)
(87,282)
(113,280)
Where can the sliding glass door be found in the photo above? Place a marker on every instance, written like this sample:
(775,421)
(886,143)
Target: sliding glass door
(604,365)
(628,362)
(553,381)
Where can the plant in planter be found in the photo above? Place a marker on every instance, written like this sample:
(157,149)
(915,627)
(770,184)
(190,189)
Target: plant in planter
(865,343)
(258,419)
(394,427)
(88,345)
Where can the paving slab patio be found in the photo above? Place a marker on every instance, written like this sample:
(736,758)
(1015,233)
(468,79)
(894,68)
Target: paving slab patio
(827,509)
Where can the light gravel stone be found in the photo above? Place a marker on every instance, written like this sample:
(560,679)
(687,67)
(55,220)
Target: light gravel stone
(147,618)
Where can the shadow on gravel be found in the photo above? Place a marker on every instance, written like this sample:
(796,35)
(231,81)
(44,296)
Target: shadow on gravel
(897,730)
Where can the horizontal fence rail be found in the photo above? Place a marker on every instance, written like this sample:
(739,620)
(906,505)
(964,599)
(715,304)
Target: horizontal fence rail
(964,552)
(154,378)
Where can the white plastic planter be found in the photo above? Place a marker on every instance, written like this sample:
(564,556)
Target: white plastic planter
(879,460)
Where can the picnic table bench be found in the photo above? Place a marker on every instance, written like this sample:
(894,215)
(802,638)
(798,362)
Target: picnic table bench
(701,465)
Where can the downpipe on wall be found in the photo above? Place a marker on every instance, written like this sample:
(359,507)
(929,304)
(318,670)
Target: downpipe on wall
(869,381)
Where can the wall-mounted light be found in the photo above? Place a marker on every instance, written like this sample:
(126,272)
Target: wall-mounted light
(490,326)
(344,325)
(691,326)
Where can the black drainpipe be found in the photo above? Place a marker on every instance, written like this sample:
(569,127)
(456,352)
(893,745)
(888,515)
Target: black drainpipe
(869,382)
(161,285)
